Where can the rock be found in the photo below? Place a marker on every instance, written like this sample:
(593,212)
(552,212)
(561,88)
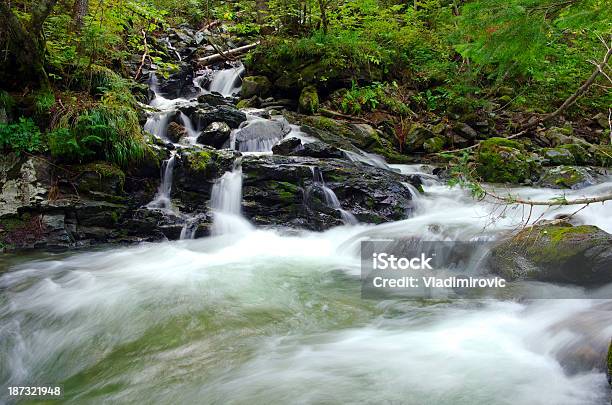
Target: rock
(213,100)
(204,116)
(255,86)
(23,182)
(434,145)
(602,120)
(179,84)
(417,135)
(581,156)
(318,149)
(465,131)
(558,156)
(216,135)
(287,146)
(260,134)
(176,132)
(558,136)
(558,253)
(574,177)
(501,160)
(100,177)
(279,190)
(309,100)
(253,102)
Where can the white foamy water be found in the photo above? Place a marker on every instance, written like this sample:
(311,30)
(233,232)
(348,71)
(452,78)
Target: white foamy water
(227,81)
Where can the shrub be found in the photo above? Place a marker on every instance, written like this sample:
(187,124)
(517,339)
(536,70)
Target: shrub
(23,136)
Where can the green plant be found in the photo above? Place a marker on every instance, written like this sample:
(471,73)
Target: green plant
(23,136)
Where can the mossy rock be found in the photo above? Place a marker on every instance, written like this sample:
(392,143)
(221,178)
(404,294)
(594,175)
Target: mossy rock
(255,86)
(558,136)
(573,177)
(556,252)
(309,100)
(558,156)
(434,145)
(602,155)
(100,177)
(500,160)
(580,154)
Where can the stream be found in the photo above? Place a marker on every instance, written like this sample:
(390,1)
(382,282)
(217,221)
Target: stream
(264,316)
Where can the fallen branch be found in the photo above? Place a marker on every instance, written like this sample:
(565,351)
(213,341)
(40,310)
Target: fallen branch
(144,55)
(551,203)
(335,114)
(207,60)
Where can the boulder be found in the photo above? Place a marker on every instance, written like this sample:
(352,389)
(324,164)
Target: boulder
(216,135)
(255,86)
(176,132)
(204,116)
(574,177)
(556,136)
(465,131)
(213,100)
(309,100)
(501,160)
(434,145)
(282,191)
(558,156)
(556,252)
(417,135)
(260,134)
(287,146)
(100,177)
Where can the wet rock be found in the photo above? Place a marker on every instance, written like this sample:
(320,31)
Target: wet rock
(501,160)
(216,135)
(287,146)
(255,86)
(574,177)
(176,132)
(309,100)
(213,100)
(253,102)
(23,182)
(558,253)
(260,134)
(204,116)
(319,150)
(179,84)
(280,190)
(416,138)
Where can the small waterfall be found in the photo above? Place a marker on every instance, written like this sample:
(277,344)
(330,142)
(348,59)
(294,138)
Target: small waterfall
(226,202)
(190,228)
(331,199)
(162,198)
(192,133)
(173,49)
(157,124)
(227,81)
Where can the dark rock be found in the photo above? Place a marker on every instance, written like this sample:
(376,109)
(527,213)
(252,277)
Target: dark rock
(287,146)
(176,132)
(280,190)
(179,84)
(101,177)
(319,150)
(216,135)
(557,252)
(204,116)
(213,99)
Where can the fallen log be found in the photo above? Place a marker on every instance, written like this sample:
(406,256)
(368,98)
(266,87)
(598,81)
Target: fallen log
(207,60)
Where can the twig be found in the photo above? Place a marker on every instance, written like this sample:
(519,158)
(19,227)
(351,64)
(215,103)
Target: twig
(144,55)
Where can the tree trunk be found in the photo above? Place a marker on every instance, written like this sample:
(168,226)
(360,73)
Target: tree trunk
(323,11)
(79,11)
(26,42)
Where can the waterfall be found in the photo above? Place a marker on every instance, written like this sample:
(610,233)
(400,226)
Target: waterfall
(226,81)
(192,133)
(162,198)
(157,124)
(226,201)
(331,199)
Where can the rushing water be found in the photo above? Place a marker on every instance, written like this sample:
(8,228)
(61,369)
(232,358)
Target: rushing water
(227,81)
(255,316)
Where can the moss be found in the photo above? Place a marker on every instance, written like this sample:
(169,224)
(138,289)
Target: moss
(200,161)
(433,145)
(564,177)
(106,175)
(501,160)
(309,100)
(603,155)
(553,244)
(285,191)
(580,154)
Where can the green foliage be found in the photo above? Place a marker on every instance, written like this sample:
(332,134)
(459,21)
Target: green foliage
(373,97)
(23,136)
(6,100)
